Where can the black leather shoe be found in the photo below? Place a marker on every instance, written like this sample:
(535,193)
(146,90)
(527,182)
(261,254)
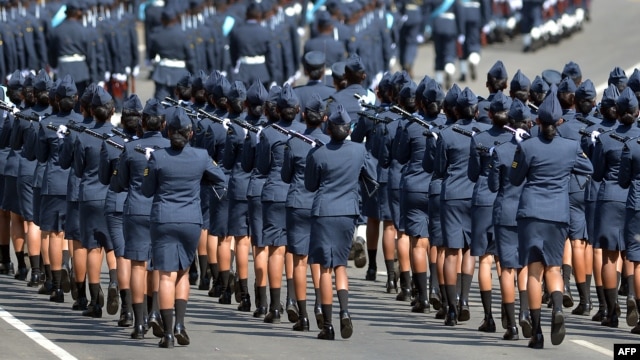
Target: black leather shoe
(632,312)
(138,332)
(392,286)
(435,299)
(511,333)
(317,310)
(6,269)
(346,326)
(205,283)
(327,333)
(126,319)
(581,309)
(46,288)
(421,307)
(536,341)
(599,315)
(35,279)
(302,324)
(525,324)
(180,333)
(488,325)
(57,296)
(404,295)
(465,314)
(145,324)
(80,304)
(624,288)
(216,290)
(225,298)
(167,341)
(93,310)
(558,330)
(451,319)
(371,274)
(567,299)
(273,317)
(245,304)
(260,312)
(359,253)
(21,274)
(636,330)
(442,313)
(610,321)
(155,323)
(65,282)
(292,311)
(112,299)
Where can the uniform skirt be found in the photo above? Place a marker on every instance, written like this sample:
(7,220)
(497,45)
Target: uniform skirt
(137,237)
(255,220)
(298,230)
(238,217)
(274,226)
(507,246)
(174,245)
(94,232)
(541,241)
(482,242)
(394,206)
(384,207)
(415,214)
(72,221)
(219,216)
(10,198)
(25,197)
(53,213)
(116,232)
(370,206)
(435,227)
(455,216)
(331,238)
(609,229)
(37,201)
(577,217)
(632,235)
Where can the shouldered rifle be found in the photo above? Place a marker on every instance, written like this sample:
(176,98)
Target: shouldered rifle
(583,120)
(465,132)
(374,118)
(31,117)
(143,149)
(7,107)
(584,132)
(115,144)
(126,137)
(619,137)
(398,110)
(79,128)
(366,105)
(524,135)
(293,133)
(245,125)
(193,113)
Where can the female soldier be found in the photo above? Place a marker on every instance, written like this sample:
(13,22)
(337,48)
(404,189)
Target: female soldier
(176,218)
(546,162)
(333,171)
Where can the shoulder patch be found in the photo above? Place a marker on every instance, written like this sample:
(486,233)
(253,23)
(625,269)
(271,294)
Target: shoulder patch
(146,171)
(115,172)
(584,155)
(514,164)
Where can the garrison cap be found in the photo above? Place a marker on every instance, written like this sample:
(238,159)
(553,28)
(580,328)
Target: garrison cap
(634,80)
(626,101)
(451,98)
(67,88)
(199,80)
(586,91)
(498,70)
(552,77)
(315,104)
(571,70)
(132,103)
(178,120)
(340,116)
(539,86)
(86,95)
(42,81)
(323,18)
(519,112)
(288,98)
(520,82)
(222,87)
(385,83)
(75,5)
(408,90)
(338,69)
(550,111)
(186,81)
(617,77)
(256,93)
(567,86)
(500,102)
(314,59)
(274,94)
(211,82)
(16,81)
(100,97)
(421,86)
(353,64)
(610,96)
(54,88)
(237,91)
(433,92)
(153,107)
(467,98)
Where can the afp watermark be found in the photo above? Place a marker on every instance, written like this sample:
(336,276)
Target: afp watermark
(626,352)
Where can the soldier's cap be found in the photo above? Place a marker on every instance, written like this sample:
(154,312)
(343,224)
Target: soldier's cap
(314,59)
(567,86)
(54,88)
(571,70)
(609,96)
(634,80)
(87,95)
(100,97)
(315,104)
(186,81)
(42,81)
(385,83)
(421,85)
(274,94)
(75,5)
(169,12)
(29,79)
(518,111)
(16,81)
(266,6)
(221,87)
(237,91)
(198,80)
(401,78)
(520,82)
(498,71)
(539,86)
(67,88)
(212,80)
(617,77)
(178,120)
(586,91)
(323,18)
(338,69)
(256,93)
(195,3)
(550,110)
(340,116)
(451,99)
(132,103)
(408,90)
(433,92)
(346,10)
(626,101)
(467,98)
(551,76)
(153,107)
(288,98)
(332,4)
(500,102)
(353,64)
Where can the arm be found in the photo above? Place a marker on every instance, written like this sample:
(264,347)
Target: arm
(311,173)
(230,147)
(78,158)
(402,151)
(104,170)
(582,165)
(120,177)
(42,148)
(263,151)
(213,174)
(288,164)
(599,161)
(65,157)
(248,154)
(495,172)
(624,174)
(473,171)
(150,181)
(519,167)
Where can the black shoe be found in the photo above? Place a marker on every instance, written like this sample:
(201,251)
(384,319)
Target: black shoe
(245,304)
(231,289)
(155,323)
(536,341)
(180,334)
(7,269)
(292,311)
(511,333)
(359,253)
(205,283)
(302,324)
(636,330)
(216,290)
(442,313)
(167,341)
(488,324)
(145,324)
(525,324)
(421,306)
(46,288)
(138,332)
(451,319)
(392,286)
(35,279)
(57,296)
(126,318)
(610,321)
(93,310)
(624,288)
(346,326)
(21,274)
(435,298)
(462,78)
(567,299)
(599,315)
(632,312)
(100,300)
(112,299)
(371,274)
(327,333)
(465,314)
(81,304)
(273,317)
(225,298)
(557,328)
(260,312)
(65,282)
(317,310)
(404,295)
(581,309)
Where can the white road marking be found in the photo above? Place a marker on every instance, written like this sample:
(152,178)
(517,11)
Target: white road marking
(594,347)
(59,352)
(602,87)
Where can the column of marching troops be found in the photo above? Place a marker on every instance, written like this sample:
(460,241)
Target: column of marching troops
(434,163)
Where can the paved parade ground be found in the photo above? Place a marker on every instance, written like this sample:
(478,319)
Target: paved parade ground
(33,328)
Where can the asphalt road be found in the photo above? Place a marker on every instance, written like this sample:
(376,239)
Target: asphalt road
(384,328)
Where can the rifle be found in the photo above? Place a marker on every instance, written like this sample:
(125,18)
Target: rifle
(245,125)
(6,107)
(193,113)
(619,137)
(411,117)
(293,133)
(123,135)
(584,132)
(465,132)
(525,135)
(375,119)
(115,144)
(79,128)
(584,121)
(143,149)
(22,116)
(366,105)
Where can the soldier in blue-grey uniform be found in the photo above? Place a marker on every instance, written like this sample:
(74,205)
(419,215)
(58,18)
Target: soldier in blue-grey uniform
(519,87)
(546,162)
(6,267)
(529,25)
(355,75)
(476,15)
(333,49)
(410,29)
(448,25)
(176,219)
(497,80)
(314,63)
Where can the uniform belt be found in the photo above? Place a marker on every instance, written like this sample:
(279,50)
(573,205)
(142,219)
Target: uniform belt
(471,4)
(328,72)
(172,63)
(449,16)
(72,58)
(252,60)
(411,7)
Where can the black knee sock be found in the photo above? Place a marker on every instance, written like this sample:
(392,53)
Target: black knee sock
(20,257)
(343,299)
(125,298)
(47,273)
(588,288)
(224,279)
(167,320)
(113,276)
(262,295)
(66,256)
(57,278)
(632,288)
(94,291)
(443,295)
(35,263)
(510,313)
(405,279)
(566,274)
(582,292)
(535,321)
(82,289)
(214,271)
(602,301)
(451,295)
(316,291)
(155,305)
(524,300)
(302,308)
(466,286)
(148,301)
(5,258)
(485,296)
(138,314)
(181,310)
(421,284)
(458,285)
(556,297)
(41,261)
(433,276)
(145,307)
(390,269)
(611,296)
(274,294)
(202,262)
(291,294)
(244,287)
(326,313)
(372,258)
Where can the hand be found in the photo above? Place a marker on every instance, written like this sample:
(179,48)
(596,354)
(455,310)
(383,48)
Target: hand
(258,135)
(486,29)
(520,135)
(107,76)
(127,70)
(404,18)
(491,149)
(225,123)
(594,136)
(461,39)
(290,80)
(246,132)
(273,83)
(392,62)
(101,84)
(120,77)
(62,131)
(435,136)
(136,71)
(301,31)
(147,152)
(546,5)
(297,75)
(223,73)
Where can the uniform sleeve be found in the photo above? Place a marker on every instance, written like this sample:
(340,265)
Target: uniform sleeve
(104,169)
(78,157)
(429,155)
(288,164)
(121,176)
(360,130)
(599,161)
(42,147)
(248,153)
(230,147)
(312,173)
(403,150)
(29,146)
(369,167)
(263,158)
(493,180)
(213,175)
(441,161)
(624,174)
(519,167)
(582,165)
(150,180)
(475,167)
(16,134)
(65,157)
